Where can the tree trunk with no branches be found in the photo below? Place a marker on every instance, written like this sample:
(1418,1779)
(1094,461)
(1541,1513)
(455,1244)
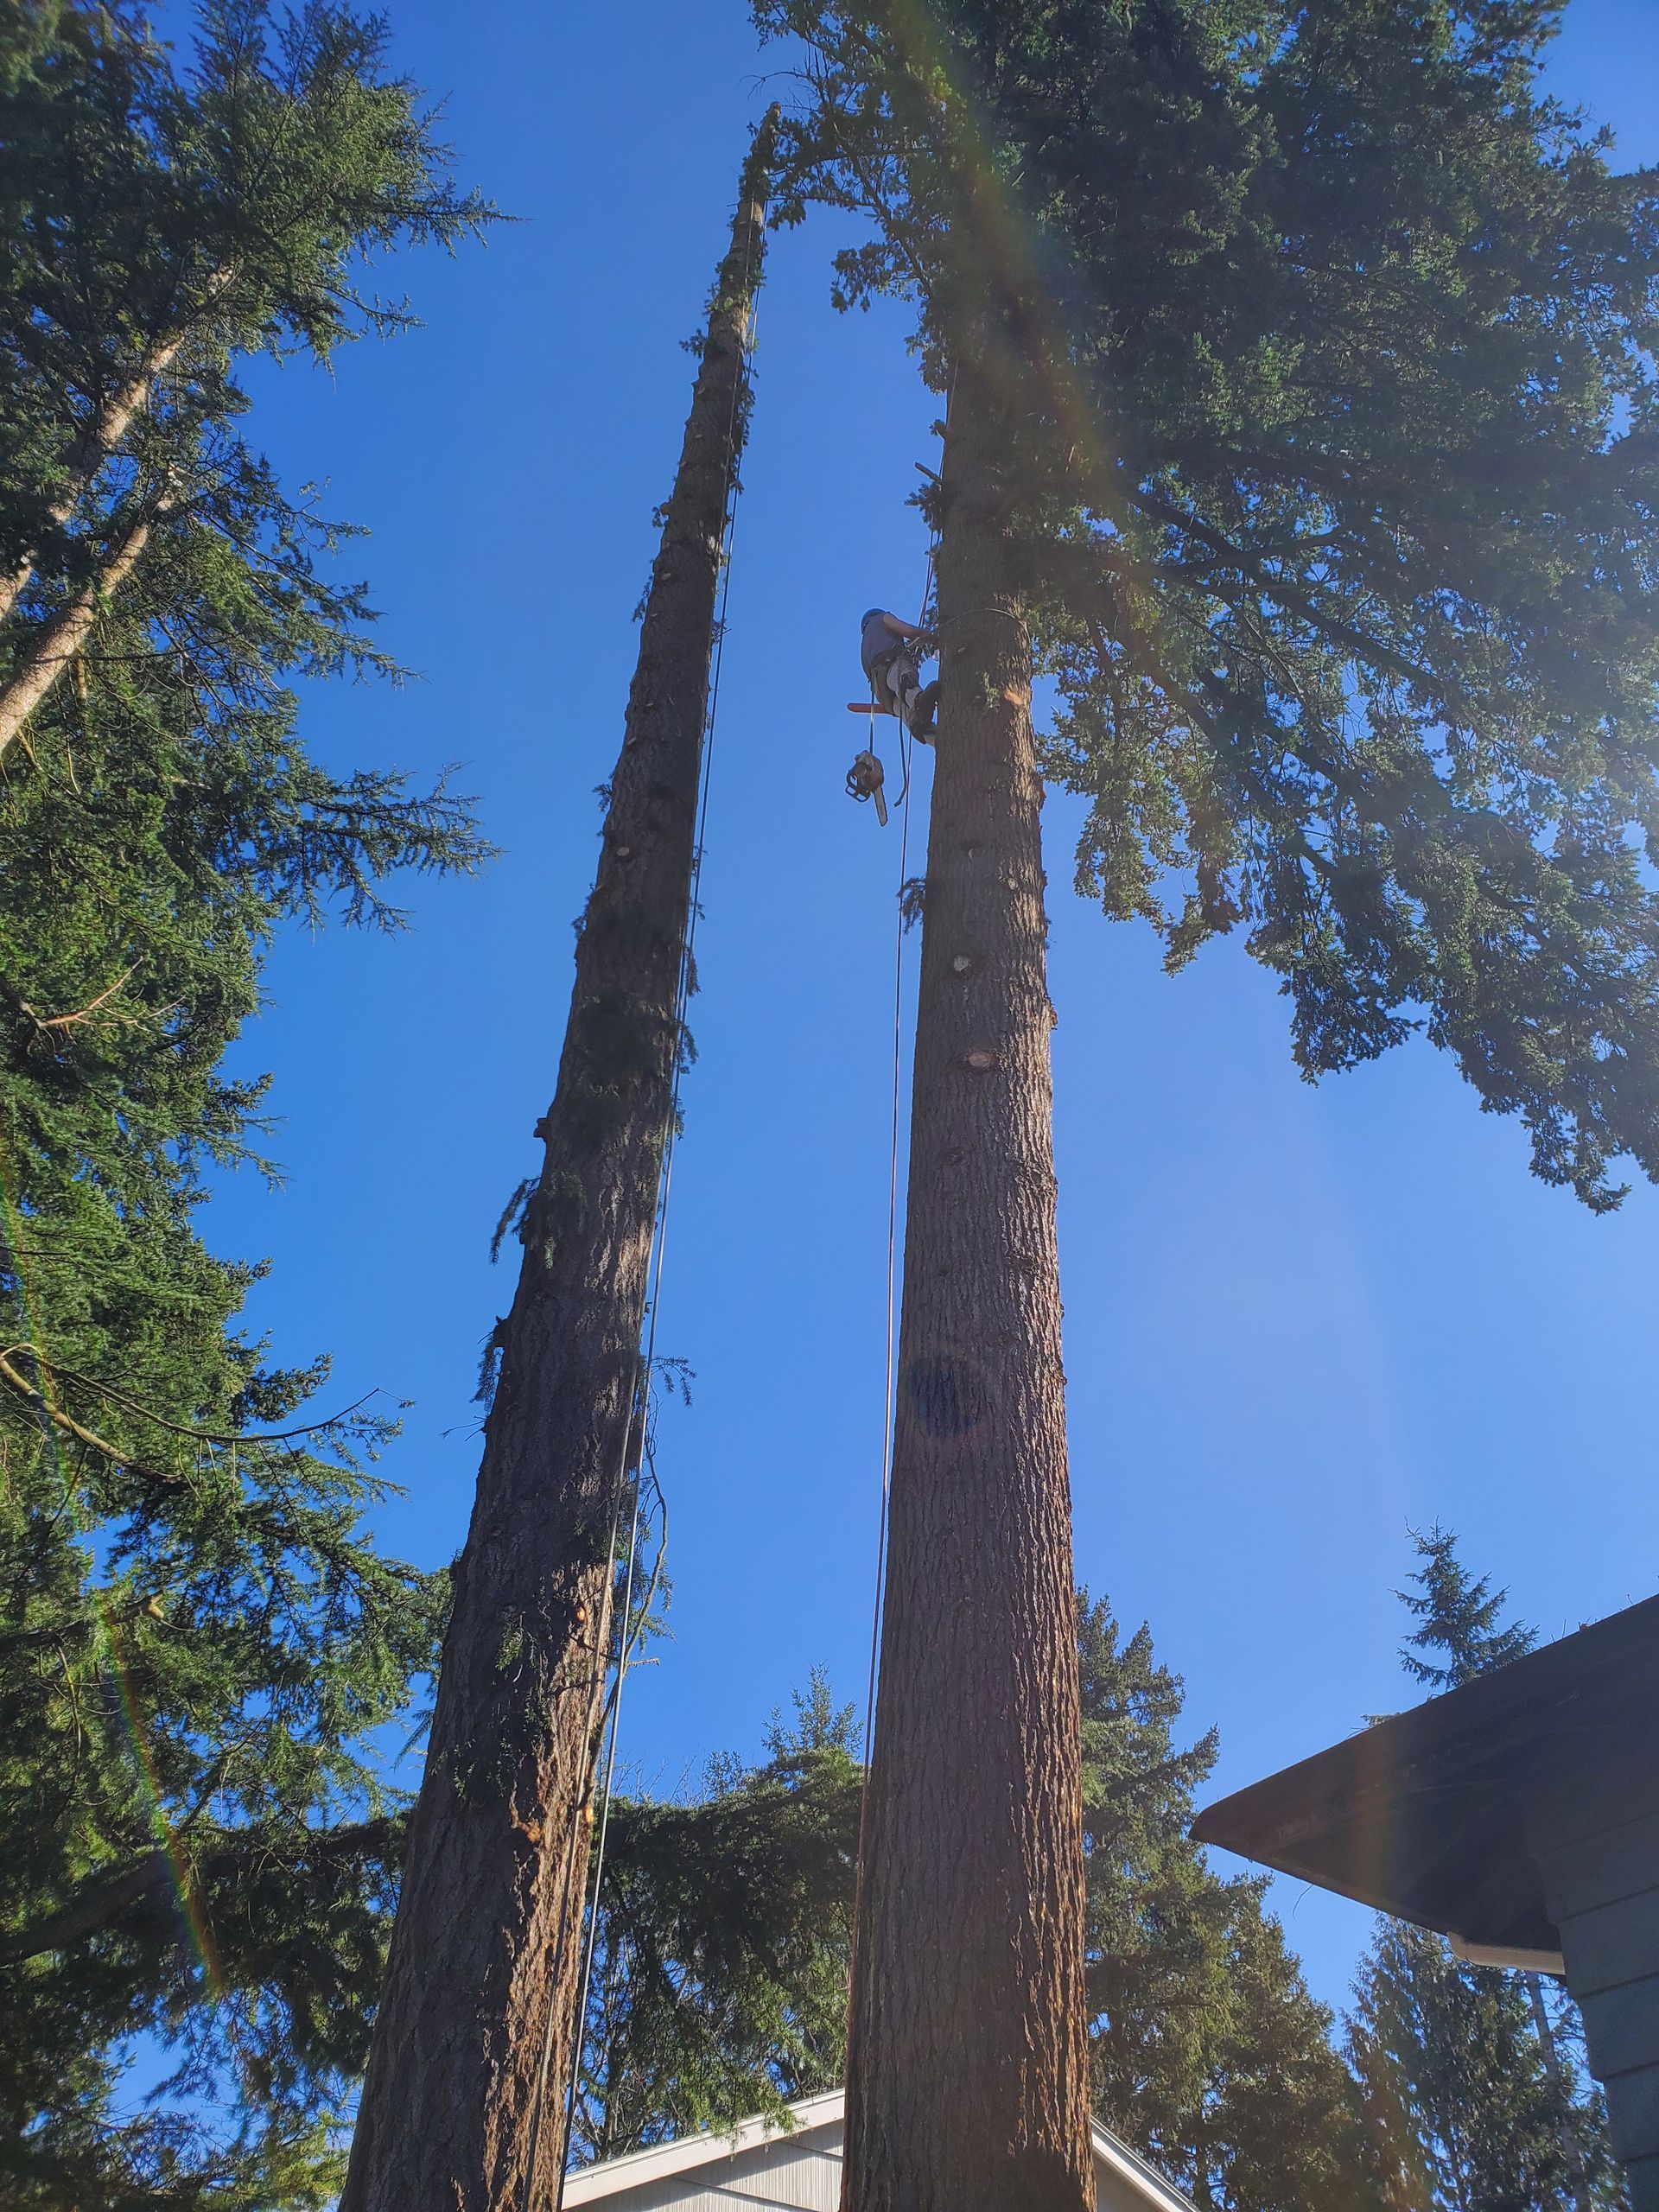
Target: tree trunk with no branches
(462,2109)
(967,2074)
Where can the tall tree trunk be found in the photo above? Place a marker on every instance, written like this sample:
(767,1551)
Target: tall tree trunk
(51,648)
(462,2109)
(968,2080)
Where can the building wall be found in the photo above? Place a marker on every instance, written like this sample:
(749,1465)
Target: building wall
(1598,1848)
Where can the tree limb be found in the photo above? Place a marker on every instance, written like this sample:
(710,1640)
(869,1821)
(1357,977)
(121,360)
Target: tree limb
(100,1901)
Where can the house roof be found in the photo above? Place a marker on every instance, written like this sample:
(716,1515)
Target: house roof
(1424,1814)
(1127,2179)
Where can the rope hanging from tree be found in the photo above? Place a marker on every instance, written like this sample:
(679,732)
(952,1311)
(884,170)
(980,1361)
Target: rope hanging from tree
(903,917)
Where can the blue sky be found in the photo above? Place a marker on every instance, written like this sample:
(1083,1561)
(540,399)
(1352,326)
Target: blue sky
(1298,1320)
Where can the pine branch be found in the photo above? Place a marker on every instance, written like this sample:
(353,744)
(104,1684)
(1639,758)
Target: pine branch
(103,1901)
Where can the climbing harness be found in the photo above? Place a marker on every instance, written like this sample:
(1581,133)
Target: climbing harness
(865,777)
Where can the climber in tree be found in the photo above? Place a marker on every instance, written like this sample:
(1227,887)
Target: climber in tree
(888,647)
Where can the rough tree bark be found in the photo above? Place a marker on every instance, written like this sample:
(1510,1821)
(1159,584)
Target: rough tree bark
(968,2078)
(478,2008)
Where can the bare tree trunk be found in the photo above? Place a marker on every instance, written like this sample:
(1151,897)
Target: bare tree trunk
(51,648)
(968,2079)
(480,1996)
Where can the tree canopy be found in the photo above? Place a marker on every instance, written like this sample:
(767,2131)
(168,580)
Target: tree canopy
(1464,2115)
(1207,2050)
(1332,470)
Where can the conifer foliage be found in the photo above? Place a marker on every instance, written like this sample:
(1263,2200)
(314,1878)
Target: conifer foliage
(1466,2116)
(725,1924)
(1206,2050)
(1332,471)
(1460,1630)
(198,1646)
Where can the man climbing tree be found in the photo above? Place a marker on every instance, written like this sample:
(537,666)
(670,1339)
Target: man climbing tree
(1321,478)
(464,2103)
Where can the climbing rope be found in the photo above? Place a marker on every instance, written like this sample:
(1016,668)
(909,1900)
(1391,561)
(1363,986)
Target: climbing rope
(900,930)
(904,746)
(905,742)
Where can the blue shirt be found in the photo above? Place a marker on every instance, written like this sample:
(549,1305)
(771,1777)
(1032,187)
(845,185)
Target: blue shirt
(875,640)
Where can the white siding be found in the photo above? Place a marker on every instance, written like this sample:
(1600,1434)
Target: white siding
(789,2173)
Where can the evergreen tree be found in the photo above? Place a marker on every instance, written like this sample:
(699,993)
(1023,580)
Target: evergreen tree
(199,1648)
(225,212)
(1452,2055)
(1460,1618)
(1321,478)
(31,31)
(1471,2077)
